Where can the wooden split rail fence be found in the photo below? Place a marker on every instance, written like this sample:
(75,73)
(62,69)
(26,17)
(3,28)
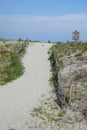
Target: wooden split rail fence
(60,89)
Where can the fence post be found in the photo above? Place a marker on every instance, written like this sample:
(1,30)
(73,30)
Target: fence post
(60,91)
(70,93)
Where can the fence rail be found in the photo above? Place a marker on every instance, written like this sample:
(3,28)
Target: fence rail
(56,73)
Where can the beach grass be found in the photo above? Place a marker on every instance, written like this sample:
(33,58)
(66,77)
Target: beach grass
(11,66)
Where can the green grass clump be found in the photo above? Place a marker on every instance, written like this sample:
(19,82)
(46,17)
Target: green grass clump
(53,82)
(15,69)
(62,113)
(12,129)
(11,66)
(79,54)
(38,110)
(60,63)
(85,112)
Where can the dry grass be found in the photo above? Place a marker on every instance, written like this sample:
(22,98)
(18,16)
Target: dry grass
(74,59)
(10,62)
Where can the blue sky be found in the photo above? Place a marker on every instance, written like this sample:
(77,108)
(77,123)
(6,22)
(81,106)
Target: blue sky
(43,19)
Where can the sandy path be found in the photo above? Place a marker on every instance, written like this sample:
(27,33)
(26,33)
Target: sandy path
(18,98)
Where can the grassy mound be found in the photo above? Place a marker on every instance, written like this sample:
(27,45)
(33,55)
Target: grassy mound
(72,60)
(11,66)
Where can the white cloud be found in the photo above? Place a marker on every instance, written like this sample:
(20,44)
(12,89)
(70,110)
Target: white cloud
(46,25)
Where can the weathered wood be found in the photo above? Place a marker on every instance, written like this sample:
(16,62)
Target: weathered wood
(60,90)
(70,93)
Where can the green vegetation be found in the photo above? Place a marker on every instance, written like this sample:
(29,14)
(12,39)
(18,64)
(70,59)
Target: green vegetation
(53,82)
(79,54)
(19,40)
(2,39)
(49,41)
(58,42)
(67,50)
(72,60)
(62,113)
(12,129)
(48,114)
(85,112)
(14,69)
(38,110)
(60,63)
(34,41)
(10,62)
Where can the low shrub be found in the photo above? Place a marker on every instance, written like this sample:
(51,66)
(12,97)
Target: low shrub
(79,54)
(10,62)
(15,69)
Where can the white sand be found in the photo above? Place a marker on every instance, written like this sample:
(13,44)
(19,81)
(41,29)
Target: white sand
(18,98)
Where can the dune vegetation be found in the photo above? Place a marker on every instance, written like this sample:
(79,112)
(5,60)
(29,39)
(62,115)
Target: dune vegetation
(72,61)
(11,66)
